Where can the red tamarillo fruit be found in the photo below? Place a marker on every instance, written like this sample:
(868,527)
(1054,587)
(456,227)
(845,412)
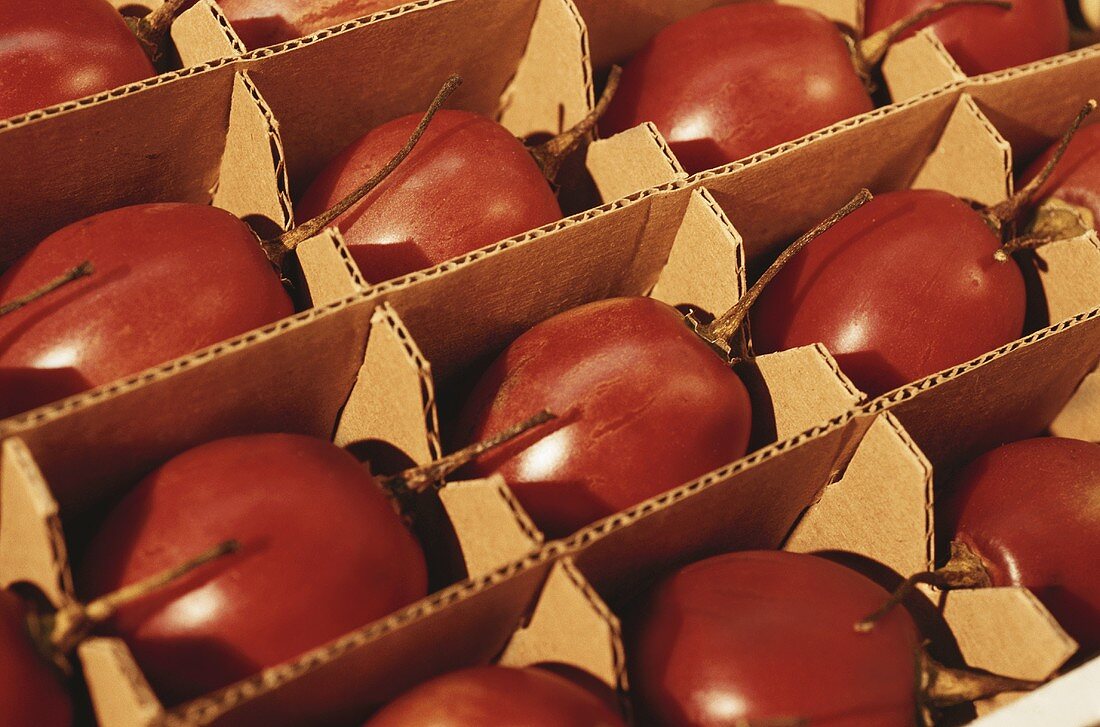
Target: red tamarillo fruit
(262,23)
(170,278)
(501,695)
(62,50)
(985,39)
(645,404)
(914,283)
(322,552)
(1027,514)
(731,81)
(767,637)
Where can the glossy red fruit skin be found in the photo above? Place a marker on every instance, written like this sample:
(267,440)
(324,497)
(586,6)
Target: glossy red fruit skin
(169,279)
(761,635)
(57,51)
(903,287)
(1076,179)
(322,553)
(1031,511)
(467,184)
(732,81)
(643,405)
(31,694)
(497,695)
(261,23)
(985,39)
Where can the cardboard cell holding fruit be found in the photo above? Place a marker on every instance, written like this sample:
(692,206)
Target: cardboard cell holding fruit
(104,50)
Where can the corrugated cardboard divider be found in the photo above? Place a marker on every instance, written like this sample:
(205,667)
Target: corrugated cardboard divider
(880,509)
(1070,700)
(201,34)
(632,161)
(919,64)
(332,87)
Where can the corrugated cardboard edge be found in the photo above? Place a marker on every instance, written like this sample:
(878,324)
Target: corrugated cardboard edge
(393,396)
(918,65)
(202,33)
(328,272)
(492,527)
(631,161)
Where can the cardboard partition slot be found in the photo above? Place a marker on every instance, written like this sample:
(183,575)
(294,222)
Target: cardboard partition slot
(202,34)
(880,509)
(629,162)
(919,64)
(751,504)
(487,43)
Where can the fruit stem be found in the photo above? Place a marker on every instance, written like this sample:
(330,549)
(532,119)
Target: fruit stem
(963,570)
(552,153)
(943,686)
(418,479)
(871,50)
(74,621)
(82,270)
(1006,212)
(152,29)
(278,247)
(719,332)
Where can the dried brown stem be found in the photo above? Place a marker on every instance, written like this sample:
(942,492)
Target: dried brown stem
(719,333)
(277,248)
(871,50)
(942,686)
(551,154)
(82,270)
(418,479)
(1008,211)
(964,570)
(72,623)
(152,29)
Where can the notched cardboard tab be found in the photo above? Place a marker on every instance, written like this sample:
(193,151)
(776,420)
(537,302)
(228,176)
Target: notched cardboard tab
(971,160)
(201,33)
(1070,273)
(1006,631)
(918,65)
(1080,418)
(571,625)
(393,399)
(492,528)
(848,13)
(806,388)
(631,161)
(32,546)
(121,695)
(552,86)
(328,272)
(882,507)
(706,265)
(252,182)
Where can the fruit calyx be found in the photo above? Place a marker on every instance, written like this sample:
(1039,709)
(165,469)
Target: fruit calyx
(1052,222)
(57,634)
(869,52)
(964,569)
(942,686)
(77,272)
(277,248)
(722,330)
(552,153)
(408,483)
(152,29)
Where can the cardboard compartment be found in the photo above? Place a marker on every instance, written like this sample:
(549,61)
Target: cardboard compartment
(390,408)
(968,408)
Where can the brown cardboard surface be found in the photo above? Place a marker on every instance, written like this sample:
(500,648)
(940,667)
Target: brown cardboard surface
(917,65)
(328,273)
(121,695)
(571,625)
(706,266)
(806,388)
(971,160)
(1070,700)
(881,508)
(32,546)
(492,527)
(1080,419)
(321,107)
(848,13)
(393,399)
(631,161)
(201,34)
(1070,273)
